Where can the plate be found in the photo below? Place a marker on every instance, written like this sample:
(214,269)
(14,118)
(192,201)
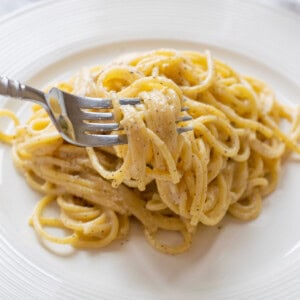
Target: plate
(254,260)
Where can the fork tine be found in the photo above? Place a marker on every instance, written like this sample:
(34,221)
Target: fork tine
(92,115)
(96,140)
(184,129)
(104,103)
(92,127)
(184,119)
(107,103)
(130,101)
(93,102)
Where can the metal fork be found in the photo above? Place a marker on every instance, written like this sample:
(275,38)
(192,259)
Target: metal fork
(72,115)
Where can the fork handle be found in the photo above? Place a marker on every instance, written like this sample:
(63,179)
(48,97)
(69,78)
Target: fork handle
(15,89)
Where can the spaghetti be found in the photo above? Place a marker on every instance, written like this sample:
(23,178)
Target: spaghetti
(165,180)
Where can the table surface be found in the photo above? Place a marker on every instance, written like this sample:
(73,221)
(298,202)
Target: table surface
(8,6)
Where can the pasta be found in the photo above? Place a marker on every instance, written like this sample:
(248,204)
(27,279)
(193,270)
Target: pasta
(165,180)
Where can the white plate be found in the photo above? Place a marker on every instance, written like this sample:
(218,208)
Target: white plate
(254,260)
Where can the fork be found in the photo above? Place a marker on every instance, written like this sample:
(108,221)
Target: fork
(72,115)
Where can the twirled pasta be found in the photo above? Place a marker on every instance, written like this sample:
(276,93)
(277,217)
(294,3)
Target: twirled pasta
(167,181)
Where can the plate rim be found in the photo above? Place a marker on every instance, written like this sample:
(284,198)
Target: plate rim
(28,9)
